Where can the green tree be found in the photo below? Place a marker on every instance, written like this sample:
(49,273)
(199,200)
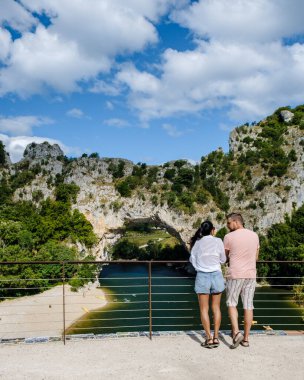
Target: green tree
(67,192)
(284,241)
(170,174)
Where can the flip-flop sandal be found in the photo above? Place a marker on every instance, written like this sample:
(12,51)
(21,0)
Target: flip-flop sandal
(206,344)
(238,338)
(244,343)
(216,342)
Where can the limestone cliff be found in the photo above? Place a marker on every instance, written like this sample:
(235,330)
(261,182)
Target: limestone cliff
(262,176)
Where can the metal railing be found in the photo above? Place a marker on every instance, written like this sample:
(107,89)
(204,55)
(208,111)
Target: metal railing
(145,300)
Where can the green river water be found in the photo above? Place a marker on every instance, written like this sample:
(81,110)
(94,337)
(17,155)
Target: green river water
(174,303)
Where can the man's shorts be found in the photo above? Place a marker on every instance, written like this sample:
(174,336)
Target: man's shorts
(243,286)
(209,282)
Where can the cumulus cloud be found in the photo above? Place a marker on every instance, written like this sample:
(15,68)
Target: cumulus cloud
(16,125)
(153,10)
(141,82)
(5,44)
(118,123)
(102,87)
(15,146)
(13,14)
(243,20)
(172,131)
(45,59)
(75,112)
(240,62)
(64,54)
(248,79)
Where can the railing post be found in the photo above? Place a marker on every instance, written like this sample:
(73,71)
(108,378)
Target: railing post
(63,300)
(150,301)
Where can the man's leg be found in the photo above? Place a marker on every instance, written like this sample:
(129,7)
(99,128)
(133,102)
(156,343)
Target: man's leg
(248,318)
(203,300)
(247,299)
(233,289)
(233,315)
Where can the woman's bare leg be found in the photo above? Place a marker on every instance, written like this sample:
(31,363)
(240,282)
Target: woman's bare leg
(203,300)
(216,310)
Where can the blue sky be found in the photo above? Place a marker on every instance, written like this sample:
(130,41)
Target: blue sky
(150,81)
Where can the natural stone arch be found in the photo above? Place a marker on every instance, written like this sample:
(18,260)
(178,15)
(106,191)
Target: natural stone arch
(157,221)
(109,229)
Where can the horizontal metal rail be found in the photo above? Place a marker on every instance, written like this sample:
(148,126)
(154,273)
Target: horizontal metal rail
(132,262)
(105,314)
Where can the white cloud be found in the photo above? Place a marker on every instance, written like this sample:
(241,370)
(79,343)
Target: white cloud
(140,82)
(46,59)
(109,105)
(15,146)
(107,27)
(239,61)
(243,20)
(252,80)
(152,10)
(15,125)
(101,87)
(172,131)
(80,43)
(75,112)
(115,122)
(5,44)
(16,16)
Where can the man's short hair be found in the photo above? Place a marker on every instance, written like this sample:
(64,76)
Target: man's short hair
(236,217)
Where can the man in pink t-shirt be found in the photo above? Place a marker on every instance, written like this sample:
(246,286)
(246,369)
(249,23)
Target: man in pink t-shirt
(242,250)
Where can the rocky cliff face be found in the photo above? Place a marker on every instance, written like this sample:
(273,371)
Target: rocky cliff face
(265,201)
(280,195)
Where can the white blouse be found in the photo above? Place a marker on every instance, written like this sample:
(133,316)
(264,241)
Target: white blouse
(208,254)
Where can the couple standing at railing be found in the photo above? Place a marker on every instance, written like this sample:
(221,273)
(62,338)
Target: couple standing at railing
(240,249)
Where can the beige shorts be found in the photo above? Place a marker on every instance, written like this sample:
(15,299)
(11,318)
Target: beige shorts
(243,286)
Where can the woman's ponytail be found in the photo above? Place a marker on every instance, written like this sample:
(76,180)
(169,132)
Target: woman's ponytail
(205,229)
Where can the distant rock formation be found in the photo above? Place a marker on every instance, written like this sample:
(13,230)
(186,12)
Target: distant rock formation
(43,151)
(5,160)
(286,116)
(263,199)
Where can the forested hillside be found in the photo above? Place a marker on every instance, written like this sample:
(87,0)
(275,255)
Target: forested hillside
(58,208)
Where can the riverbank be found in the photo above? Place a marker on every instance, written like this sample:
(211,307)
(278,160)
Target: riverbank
(165,357)
(42,314)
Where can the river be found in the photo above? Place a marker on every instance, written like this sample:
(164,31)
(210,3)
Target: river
(174,303)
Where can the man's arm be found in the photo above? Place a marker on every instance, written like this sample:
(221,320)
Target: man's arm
(227,254)
(257,254)
(227,247)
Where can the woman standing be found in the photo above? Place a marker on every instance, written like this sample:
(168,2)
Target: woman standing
(207,255)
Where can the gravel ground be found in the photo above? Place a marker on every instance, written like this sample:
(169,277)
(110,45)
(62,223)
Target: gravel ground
(168,357)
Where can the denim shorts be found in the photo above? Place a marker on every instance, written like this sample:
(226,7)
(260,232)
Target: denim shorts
(209,282)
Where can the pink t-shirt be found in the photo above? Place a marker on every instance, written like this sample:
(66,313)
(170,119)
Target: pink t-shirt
(242,245)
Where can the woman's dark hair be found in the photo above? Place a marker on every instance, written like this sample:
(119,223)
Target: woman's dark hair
(204,230)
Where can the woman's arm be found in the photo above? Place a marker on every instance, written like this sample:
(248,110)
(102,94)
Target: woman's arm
(193,254)
(222,252)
